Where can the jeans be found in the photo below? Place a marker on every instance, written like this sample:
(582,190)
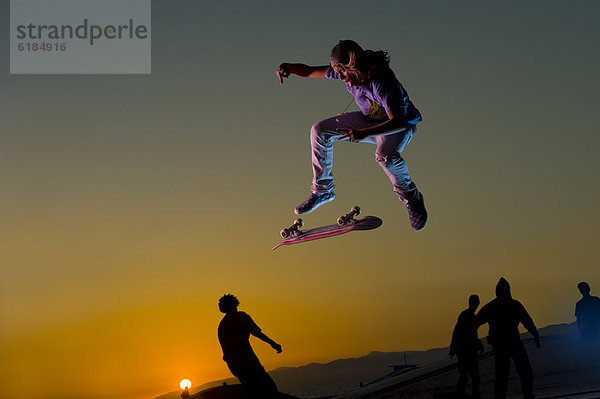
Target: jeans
(389,146)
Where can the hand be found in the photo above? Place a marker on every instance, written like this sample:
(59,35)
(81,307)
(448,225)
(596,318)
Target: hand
(353,135)
(451,353)
(276,346)
(536,341)
(283,72)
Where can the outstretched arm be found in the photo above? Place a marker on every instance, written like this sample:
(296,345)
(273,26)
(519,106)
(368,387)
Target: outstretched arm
(306,71)
(262,336)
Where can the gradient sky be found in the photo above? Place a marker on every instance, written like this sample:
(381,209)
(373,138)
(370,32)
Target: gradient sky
(130,204)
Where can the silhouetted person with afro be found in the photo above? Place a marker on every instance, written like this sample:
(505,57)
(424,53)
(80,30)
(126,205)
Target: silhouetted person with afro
(587,312)
(465,346)
(234,333)
(503,315)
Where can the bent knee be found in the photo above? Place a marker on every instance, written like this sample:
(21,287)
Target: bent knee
(317,128)
(322,133)
(385,158)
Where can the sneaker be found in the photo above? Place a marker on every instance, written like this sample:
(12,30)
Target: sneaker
(313,202)
(417,213)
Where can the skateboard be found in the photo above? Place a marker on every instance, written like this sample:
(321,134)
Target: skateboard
(346,223)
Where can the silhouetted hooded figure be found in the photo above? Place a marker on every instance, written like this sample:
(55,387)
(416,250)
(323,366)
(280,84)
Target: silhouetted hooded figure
(503,315)
(587,312)
(465,345)
(234,334)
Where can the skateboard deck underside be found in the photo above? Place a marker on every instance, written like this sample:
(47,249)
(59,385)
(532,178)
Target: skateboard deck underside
(366,223)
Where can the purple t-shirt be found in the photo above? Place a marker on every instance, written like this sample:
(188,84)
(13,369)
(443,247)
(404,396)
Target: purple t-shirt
(377,96)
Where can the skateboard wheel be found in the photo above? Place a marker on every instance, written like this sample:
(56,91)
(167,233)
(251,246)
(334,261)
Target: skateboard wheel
(299,222)
(341,221)
(285,233)
(356,210)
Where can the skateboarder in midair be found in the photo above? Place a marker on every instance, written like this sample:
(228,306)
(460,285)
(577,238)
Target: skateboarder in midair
(387,118)
(587,312)
(465,345)
(503,315)
(234,333)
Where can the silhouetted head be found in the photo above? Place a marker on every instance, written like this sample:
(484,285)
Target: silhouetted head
(473,302)
(503,288)
(584,288)
(228,303)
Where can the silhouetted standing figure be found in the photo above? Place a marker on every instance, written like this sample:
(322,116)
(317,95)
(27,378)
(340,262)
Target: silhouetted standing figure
(234,334)
(587,312)
(503,315)
(186,393)
(465,346)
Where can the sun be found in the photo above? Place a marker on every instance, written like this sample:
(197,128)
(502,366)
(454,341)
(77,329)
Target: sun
(185,384)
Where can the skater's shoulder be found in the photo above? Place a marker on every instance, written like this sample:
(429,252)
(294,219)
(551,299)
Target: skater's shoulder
(242,315)
(383,78)
(237,315)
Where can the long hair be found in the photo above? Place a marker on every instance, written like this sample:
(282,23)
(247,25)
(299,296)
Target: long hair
(361,65)
(368,64)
